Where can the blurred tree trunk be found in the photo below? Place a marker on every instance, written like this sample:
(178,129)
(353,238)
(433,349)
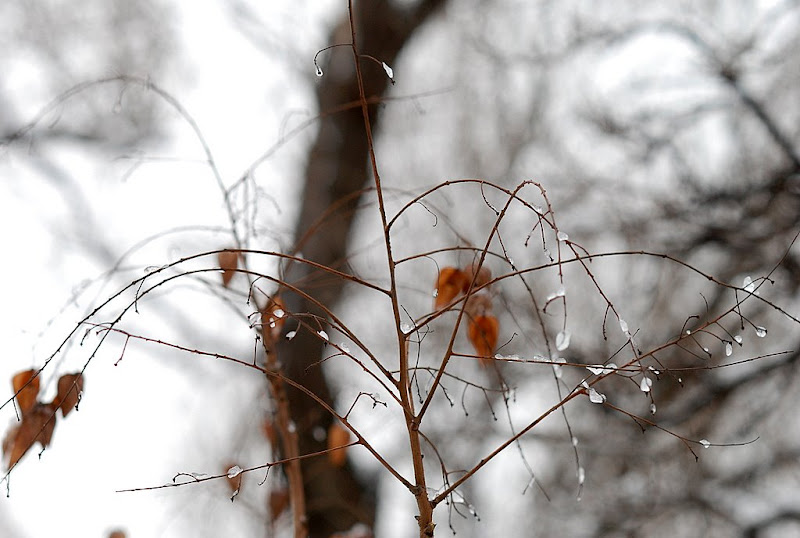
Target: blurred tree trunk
(336,173)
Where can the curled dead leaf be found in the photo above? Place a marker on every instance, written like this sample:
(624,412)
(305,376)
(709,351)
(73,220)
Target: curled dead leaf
(482,332)
(26,388)
(449,285)
(478,305)
(484,275)
(228,262)
(37,426)
(338,436)
(273,318)
(70,387)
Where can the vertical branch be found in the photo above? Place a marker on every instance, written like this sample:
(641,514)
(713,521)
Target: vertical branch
(420,490)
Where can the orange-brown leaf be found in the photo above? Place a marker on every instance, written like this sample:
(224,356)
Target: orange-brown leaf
(37,426)
(338,436)
(484,275)
(478,305)
(273,317)
(69,388)
(449,285)
(116,534)
(26,387)
(228,262)
(278,502)
(482,332)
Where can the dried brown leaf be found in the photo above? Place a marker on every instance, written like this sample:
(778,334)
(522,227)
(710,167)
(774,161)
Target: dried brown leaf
(26,388)
(482,332)
(338,436)
(228,262)
(69,388)
(484,275)
(37,425)
(449,285)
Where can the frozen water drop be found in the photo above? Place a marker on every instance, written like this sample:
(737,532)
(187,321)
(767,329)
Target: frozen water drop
(406,328)
(319,71)
(688,331)
(436,293)
(748,285)
(596,397)
(562,340)
(574,441)
(538,209)
(323,335)
(652,409)
(389,72)
(291,334)
(761,332)
(581,475)
(234,471)
(344,348)
(728,349)
(272,324)
(646,384)
(596,369)
(706,350)
(278,313)
(624,326)
(705,442)
(292,427)
(738,339)
(562,236)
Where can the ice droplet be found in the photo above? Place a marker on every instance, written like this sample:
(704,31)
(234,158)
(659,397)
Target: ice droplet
(538,209)
(581,475)
(761,332)
(319,434)
(705,442)
(319,71)
(738,339)
(435,293)
(728,349)
(406,328)
(278,313)
(291,334)
(652,409)
(389,72)
(624,326)
(323,335)
(344,348)
(562,340)
(574,441)
(596,397)
(748,285)
(596,369)
(292,427)
(645,385)
(234,471)
(562,236)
